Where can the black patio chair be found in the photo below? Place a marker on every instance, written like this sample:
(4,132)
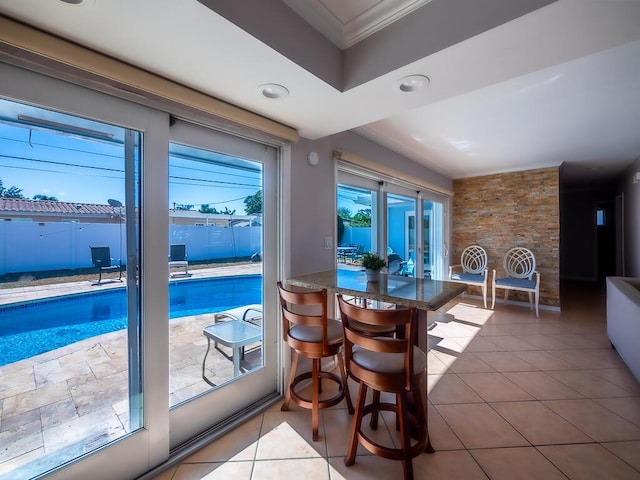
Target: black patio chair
(101,259)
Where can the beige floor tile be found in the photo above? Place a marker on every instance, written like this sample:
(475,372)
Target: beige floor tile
(521,463)
(588,462)
(513,343)
(441,435)
(450,389)
(308,468)
(469,363)
(479,426)
(539,424)
(446,466)
(544,360)
(494,387)
(238,445)
(289,435)
(596,421)
(588,384)
(338,424)
(589,358)
(214,471)
(542,386)
(367,467)
(482,344)
(505,362)
(547,342)
(621,377)
(627,451)
(627,407)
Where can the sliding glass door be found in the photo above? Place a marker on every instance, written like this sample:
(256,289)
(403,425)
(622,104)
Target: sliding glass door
(397,220)
(125,237)
(222,219)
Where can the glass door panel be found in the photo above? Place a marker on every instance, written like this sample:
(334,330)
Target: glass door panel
(401,234)
(215,278)
(70,341)
(356,228)
(433,238)
(222,211)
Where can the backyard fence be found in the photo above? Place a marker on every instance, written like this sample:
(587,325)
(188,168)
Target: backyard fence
(41,246)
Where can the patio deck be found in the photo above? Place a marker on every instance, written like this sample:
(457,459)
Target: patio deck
(62,403)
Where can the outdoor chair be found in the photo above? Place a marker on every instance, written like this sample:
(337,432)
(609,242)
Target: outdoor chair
(394,264)
(386,364)
(178,258)
(247,313)
(519,267)
(101,259)
(309,333)
(472,269)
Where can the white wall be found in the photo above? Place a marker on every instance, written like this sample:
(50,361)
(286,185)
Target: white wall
(33,246)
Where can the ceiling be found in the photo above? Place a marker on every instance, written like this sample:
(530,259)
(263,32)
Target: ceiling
(514,84)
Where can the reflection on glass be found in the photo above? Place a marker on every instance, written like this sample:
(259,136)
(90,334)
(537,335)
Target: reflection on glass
(356,225)
(401,235)
(215,279)
(70,353)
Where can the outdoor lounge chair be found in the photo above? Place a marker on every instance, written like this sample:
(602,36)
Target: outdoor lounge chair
(178,258)
(101,259)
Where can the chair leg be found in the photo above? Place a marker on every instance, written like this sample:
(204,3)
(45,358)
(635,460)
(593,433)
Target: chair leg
(292,376)
(484,294)
(373,422)
(315,398)
(343,374)
(350,457)
(407,461)
(493,296)
(537,301)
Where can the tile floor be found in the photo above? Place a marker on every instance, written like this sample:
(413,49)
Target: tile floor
(511,397)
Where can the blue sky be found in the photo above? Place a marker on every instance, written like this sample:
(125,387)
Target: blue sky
(83,170)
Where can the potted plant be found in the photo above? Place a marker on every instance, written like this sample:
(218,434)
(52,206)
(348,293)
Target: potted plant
(372,264)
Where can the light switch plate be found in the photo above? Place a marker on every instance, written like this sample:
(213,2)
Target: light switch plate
(328,243)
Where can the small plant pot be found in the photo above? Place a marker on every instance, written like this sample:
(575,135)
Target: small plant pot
(372,275)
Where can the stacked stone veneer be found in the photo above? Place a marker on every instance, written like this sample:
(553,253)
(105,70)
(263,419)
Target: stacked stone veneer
(499,212)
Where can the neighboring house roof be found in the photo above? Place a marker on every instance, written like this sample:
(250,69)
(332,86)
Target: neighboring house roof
(26,207)
(23,206)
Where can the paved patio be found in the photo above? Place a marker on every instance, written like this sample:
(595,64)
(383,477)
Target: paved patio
(68,401)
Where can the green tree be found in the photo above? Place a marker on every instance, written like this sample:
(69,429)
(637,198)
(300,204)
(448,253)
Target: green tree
(44,197)
(205,208)
(340,229)
(226,211)
(253,203)
(362,218)
(11,192)
(183,206)
(344,212)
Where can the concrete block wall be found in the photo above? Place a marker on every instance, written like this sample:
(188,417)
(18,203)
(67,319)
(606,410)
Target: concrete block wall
(502,211)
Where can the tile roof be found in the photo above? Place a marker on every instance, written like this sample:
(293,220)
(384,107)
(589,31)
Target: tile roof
(23,205)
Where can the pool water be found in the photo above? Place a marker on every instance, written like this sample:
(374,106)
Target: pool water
(31,329)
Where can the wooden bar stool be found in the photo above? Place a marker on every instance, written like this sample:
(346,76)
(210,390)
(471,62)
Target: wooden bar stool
(309,333)
(386,364)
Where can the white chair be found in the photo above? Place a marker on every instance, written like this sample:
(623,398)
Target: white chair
(519,267)
(472,269)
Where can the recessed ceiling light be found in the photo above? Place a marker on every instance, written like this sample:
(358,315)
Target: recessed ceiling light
(72,2)
(411,83)
(273,91)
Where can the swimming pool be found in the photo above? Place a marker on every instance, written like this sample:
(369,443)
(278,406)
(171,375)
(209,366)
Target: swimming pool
(30,329)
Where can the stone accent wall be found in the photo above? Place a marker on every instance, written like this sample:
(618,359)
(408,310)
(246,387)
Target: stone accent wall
(499,212)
